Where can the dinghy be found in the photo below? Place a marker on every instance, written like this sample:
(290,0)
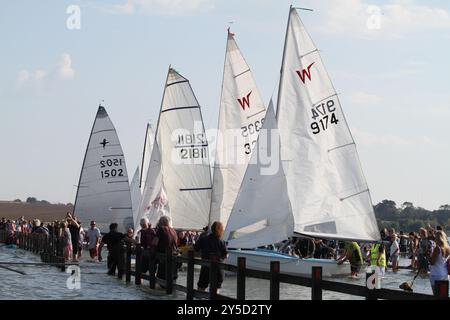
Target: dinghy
(318,189)
(103,192)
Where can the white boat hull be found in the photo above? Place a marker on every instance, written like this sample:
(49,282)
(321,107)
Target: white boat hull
(260,260)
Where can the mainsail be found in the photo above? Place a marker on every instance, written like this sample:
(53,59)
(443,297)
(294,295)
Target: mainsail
(241,117)
(184,151)
(262,213)
(103,191)
(148,147)
(325,182)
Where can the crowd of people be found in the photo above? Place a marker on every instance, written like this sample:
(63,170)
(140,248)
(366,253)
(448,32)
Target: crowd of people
(428,249)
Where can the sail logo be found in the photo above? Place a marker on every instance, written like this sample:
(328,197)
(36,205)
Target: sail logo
(245,101)
(305,73)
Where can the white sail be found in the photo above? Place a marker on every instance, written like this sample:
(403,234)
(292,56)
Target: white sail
(103,191)
(148,147)
(135,194)
(261,214)
(241,117)
(326,186)
(151,189)
(184,152)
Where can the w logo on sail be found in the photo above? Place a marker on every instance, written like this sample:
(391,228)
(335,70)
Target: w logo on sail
(245,101)
(305,73)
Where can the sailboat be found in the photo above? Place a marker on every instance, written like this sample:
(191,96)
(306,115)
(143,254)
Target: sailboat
(140,175)
(241,116)
(319,189)
(103,192)
(178,181)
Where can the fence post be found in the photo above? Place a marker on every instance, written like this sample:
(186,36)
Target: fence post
(137,271)
(128,264)
(240,294)
(316,285)
(441,289)
(152,268)
(274,280)
(169,271)
(213,272)
(190,276)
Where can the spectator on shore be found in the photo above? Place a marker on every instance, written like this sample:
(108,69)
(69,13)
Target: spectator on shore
(93,239)
(439,257)
(413,247)
(394,252)
(211,244)
(74,228)
(166,243)
(147,241)
(352,253)
(425,250)
(66,240)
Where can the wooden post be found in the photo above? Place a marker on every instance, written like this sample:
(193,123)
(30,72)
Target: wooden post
(441,289)
(213,272)
(128,264)
(169,272)
(190,276)
(316,287)
(240,294)
(152,268)
(274,280)
(137,273)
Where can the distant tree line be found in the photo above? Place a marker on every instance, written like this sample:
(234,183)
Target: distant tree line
(409,218)
(33,200)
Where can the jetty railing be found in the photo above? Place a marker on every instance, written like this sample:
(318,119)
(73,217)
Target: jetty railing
(49,247)
(275,277)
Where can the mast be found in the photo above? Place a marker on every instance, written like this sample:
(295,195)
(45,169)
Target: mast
(143,154)
(282,61)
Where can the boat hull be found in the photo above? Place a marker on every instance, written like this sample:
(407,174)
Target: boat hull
(260,260)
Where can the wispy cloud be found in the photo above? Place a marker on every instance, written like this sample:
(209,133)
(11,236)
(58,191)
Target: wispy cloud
(62,71)
(160,7)
(396,19)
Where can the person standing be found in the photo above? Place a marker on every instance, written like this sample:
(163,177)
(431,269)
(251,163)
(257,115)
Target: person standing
(65,238)
(425,249)
(441,253)
(378,258)
(352,253)
(394,252)
(93,239)
(166,243)
(74,228)
(212,244)
(114,240)
(147,241)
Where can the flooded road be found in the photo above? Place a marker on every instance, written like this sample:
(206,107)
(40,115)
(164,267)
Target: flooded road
(48,282)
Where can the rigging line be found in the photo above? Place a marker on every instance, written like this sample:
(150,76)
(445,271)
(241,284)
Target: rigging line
(13,270)
(342,199)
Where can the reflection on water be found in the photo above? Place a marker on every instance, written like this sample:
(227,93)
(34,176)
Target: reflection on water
(48,282)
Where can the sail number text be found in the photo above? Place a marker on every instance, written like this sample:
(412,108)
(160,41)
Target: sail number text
(324,116)
(249,130)
(193,146)
(111,171)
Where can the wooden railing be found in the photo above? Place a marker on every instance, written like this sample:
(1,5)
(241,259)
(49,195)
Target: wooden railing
(50,248)
(315,282)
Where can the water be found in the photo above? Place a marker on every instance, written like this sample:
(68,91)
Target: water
(48,282)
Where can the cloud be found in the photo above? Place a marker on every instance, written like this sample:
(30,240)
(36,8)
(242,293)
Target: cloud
(390,21)
(160,7)
(63,71)
(65,67)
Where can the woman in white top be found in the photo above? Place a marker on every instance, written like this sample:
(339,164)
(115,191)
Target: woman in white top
(441,253)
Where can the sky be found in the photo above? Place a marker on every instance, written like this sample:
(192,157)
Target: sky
(389,61)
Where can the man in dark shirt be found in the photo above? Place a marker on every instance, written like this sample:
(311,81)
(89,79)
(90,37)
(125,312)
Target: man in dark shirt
(74,228)
(212,244)
(114,240)
(166,243)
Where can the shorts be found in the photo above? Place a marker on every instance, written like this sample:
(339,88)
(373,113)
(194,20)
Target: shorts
(93,252)
(394,259)
(434,278)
